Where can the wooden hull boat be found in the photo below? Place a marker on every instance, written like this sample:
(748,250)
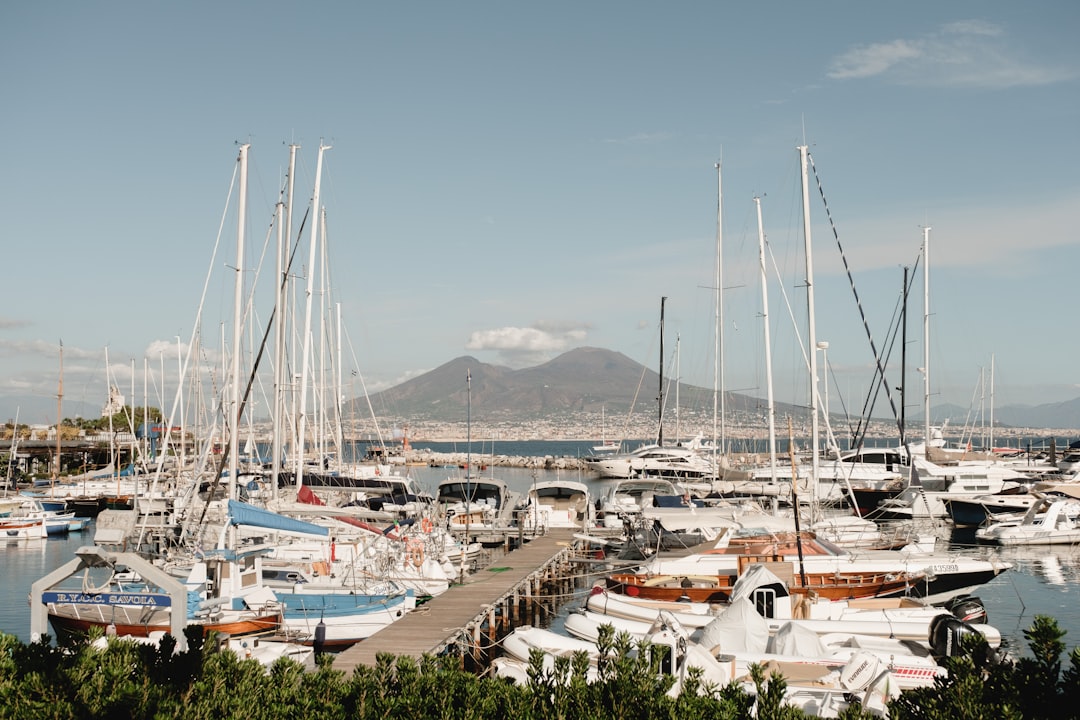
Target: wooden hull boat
(73,620)
(717,588)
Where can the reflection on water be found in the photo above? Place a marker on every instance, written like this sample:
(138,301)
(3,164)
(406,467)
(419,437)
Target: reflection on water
(1043,580)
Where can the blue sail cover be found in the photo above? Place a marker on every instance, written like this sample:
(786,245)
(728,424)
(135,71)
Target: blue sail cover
(245,514)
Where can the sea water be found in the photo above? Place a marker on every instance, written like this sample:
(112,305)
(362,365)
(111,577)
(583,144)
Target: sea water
(1042,581)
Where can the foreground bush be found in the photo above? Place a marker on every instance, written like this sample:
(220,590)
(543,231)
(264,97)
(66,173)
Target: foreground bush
(129,680)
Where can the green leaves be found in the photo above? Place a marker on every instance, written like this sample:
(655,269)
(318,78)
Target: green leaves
(129,680)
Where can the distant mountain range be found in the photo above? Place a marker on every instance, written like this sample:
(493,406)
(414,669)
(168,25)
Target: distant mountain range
(589,380)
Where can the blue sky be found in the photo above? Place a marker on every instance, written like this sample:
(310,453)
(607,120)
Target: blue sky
(512,180)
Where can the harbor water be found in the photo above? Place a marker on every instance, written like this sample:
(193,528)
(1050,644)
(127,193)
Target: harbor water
(1042,581)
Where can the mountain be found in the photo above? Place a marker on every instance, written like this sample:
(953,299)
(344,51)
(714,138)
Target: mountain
(1057,415)
(584,380)
(588,379)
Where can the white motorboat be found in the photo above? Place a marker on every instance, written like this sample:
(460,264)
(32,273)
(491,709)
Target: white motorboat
(684,461)
(937,483)
(559,504)
(1047,522)
(620,500)
(477,503)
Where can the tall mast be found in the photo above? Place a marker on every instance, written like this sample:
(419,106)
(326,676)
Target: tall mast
(903,361)
(768,345)
(233,416)
(276,415)
(926,340)
(660,397)
(284,241)
(811,342)
(59,416)
(312,255)
(990,442)
(718,324)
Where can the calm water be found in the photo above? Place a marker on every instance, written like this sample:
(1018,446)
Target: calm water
(1043,581)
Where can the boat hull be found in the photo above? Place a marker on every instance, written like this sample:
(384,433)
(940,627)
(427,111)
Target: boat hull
(717,588)
(68,621)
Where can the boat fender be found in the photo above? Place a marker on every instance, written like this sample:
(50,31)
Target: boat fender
(320,636)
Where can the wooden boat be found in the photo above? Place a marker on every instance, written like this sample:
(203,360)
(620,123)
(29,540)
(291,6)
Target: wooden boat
(76,620)
(947,575)
(22,529)
(717,588)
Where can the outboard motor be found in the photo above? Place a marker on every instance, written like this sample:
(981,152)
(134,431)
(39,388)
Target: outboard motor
(967,608)
(947,633)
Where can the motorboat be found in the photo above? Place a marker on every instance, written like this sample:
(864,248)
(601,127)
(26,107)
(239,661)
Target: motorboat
(558,503)
(476,503)
(1047,522)
(622,500)
(684,461)
(925,496)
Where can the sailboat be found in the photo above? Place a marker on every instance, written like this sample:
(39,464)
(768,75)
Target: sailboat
(605,446)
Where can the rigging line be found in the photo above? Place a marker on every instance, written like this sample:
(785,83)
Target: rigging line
(251,376)
(851,281)
(871,400)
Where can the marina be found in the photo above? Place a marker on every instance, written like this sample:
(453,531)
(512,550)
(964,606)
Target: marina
(1042,580)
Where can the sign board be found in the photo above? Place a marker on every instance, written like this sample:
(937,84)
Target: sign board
(118,598)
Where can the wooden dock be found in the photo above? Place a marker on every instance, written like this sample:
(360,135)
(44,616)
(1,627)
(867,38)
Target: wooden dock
(450,616)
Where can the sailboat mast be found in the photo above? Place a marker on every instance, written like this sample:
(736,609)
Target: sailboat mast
(233,415)
(718,324)
(926,340)
(768,345)
(990,442)
(660,397)
(312,255)
(811,342)
(59,415)
(276,415)
(903,360)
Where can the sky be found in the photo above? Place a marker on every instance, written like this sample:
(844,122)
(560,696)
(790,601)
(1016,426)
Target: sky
(512,180)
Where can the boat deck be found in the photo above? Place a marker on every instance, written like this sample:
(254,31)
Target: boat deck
(436,623)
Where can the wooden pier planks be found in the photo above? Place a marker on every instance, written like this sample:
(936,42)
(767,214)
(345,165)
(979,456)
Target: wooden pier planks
(428,628)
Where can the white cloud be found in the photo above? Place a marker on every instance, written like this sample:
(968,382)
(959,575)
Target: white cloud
(529,345)
(969,53)
(870,60)
(168,348)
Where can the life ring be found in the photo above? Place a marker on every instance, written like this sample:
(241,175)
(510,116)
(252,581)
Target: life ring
(414,552)
(426,525)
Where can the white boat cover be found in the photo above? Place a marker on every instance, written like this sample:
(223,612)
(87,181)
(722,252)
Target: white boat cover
(798,640)
(738,629)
